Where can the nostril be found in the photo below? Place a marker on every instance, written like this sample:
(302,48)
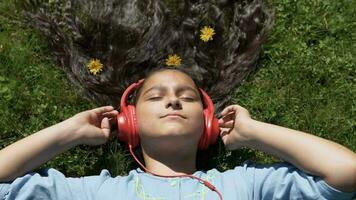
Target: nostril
(177,104)
(174,103)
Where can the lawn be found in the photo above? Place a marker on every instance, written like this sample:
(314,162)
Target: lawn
(306,80)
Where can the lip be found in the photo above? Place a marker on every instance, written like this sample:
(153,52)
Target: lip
(173,115)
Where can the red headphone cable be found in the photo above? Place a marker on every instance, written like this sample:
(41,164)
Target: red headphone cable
(206,183)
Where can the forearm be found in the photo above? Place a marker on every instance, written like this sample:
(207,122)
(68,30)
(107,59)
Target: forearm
(34,150)
(329,160)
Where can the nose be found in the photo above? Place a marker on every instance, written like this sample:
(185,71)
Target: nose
(174,103)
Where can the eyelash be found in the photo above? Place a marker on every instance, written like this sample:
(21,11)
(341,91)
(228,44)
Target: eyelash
(188,98)
(154,98)
(185,98)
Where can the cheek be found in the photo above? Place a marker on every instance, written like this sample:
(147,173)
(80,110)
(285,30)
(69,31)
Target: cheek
(198,122)
(146,115)
(142,114)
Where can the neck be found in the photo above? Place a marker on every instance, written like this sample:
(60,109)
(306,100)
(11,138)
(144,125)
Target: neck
(170,164)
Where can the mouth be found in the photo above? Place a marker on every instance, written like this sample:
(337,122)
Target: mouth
(173,116)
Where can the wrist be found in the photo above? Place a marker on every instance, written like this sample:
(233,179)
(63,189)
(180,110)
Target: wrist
(248,131)
(69,133)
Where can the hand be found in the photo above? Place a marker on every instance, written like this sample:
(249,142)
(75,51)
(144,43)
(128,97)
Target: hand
(234,125)
(93,126)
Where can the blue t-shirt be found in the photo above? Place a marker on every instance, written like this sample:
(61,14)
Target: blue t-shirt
(248,181)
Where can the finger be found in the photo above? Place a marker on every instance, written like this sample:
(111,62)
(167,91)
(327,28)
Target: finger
(112,121)
(231,108)
(226,138)
(227,117)
(103,109)
(111,114)
(224,132)
(229,124)
(105,127)
(113,125)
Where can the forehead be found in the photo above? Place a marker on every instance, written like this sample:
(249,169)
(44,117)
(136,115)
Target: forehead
(168,78)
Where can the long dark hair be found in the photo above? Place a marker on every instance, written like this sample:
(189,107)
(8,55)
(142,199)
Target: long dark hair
(134,37)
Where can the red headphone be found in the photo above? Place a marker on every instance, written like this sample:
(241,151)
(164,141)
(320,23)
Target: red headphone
(128,127)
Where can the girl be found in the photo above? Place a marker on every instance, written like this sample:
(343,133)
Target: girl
(169,111)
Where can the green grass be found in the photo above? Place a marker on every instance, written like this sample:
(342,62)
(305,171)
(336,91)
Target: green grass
(307,76)
(306,81)
(34,92)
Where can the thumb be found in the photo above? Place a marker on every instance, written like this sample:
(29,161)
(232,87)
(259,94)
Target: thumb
(105,127)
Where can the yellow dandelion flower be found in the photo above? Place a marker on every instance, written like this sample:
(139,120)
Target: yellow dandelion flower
(95,66)
(173,60)
(207,33)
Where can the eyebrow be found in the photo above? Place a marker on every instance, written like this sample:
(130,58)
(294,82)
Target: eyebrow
(179,89)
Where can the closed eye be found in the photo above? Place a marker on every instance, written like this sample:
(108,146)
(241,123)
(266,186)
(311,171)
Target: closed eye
(187,98)
(155,98)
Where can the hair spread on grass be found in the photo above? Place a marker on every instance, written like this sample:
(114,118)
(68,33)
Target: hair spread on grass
(132,38)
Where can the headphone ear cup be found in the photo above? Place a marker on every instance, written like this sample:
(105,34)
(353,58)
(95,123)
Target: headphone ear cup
(134,136)
(211,130)
(126,120)
(204,138)
(215,130)
(123,129)
(127,126)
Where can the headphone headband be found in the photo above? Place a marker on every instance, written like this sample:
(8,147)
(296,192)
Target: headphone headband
(128,91)
(209,104)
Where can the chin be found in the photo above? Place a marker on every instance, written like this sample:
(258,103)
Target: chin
(173,130)
(171,146)
(170,140)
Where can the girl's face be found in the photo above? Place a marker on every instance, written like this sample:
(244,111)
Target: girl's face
(169,111)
